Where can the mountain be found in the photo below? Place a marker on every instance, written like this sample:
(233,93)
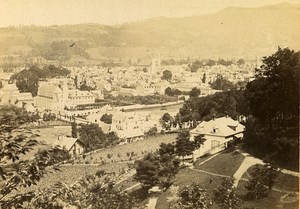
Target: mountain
(232,32)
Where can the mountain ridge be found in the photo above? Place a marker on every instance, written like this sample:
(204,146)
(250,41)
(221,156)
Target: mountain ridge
(232,32)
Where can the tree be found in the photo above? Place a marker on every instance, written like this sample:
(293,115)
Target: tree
(74,130)
(222,84)
(106,118)
(278,80)
(183,144)
(195,92)
(272,100)
(167,121)
(147,170)
(225,195)
(156,169)
(167,75)
(152,131)
(199,140)
(210,62)
(261,182)
(193,196)
(195,66)
(241,62)
(76,81)
(27,79)
(85,87)
(14,116)
(92,136)
(204,78)
(166,149)
(172,92)
(92,191)
(17,172)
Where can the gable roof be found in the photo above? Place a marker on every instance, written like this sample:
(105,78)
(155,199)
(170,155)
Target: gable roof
(66,142)
(224,126)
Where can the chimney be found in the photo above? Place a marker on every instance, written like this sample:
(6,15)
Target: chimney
(60,137)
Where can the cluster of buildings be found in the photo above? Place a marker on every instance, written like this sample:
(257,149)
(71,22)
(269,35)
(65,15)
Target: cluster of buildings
(62,97)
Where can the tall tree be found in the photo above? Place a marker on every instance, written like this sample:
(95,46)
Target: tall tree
(167,75)
(274,94)
(193,196)
(195,92)
(261,182)
(74,130)
(226,197)
(183,145)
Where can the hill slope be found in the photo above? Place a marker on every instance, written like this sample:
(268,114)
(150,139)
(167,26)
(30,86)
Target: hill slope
(231,32)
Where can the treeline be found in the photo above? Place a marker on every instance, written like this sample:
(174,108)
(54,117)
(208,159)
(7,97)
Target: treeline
(194,66)
(144,100)
(229,103)
(27,79)
(270,104)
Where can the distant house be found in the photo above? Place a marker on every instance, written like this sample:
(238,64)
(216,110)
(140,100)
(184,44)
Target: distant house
(73,145)
(218,133)
(128,126)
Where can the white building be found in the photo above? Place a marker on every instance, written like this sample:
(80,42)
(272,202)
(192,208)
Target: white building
(74,146)
(127,126)
(218,133)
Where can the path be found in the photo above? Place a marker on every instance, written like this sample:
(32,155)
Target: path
(152,202)
(247,163)
(133,186)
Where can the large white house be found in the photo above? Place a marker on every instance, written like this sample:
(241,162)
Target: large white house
(218,133)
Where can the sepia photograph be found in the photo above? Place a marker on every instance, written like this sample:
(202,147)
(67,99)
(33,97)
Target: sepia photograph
(149,104)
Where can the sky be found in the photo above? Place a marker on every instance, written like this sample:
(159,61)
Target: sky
(110,12)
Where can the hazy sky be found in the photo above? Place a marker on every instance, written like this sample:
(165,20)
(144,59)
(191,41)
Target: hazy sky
(49,12)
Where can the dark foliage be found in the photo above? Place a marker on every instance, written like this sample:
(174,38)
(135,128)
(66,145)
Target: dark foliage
(27,80)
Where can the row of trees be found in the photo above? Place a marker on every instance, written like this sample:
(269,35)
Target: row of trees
(199,64)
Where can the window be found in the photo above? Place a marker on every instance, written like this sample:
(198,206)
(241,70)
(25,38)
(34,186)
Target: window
(214,144)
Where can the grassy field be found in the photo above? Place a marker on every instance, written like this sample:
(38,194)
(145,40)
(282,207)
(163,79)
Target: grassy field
(225,164)
(124,153)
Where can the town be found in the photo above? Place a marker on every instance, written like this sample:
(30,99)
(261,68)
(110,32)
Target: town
(91,116)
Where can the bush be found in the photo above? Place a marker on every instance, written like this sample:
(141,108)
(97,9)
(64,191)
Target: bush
(262,181)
